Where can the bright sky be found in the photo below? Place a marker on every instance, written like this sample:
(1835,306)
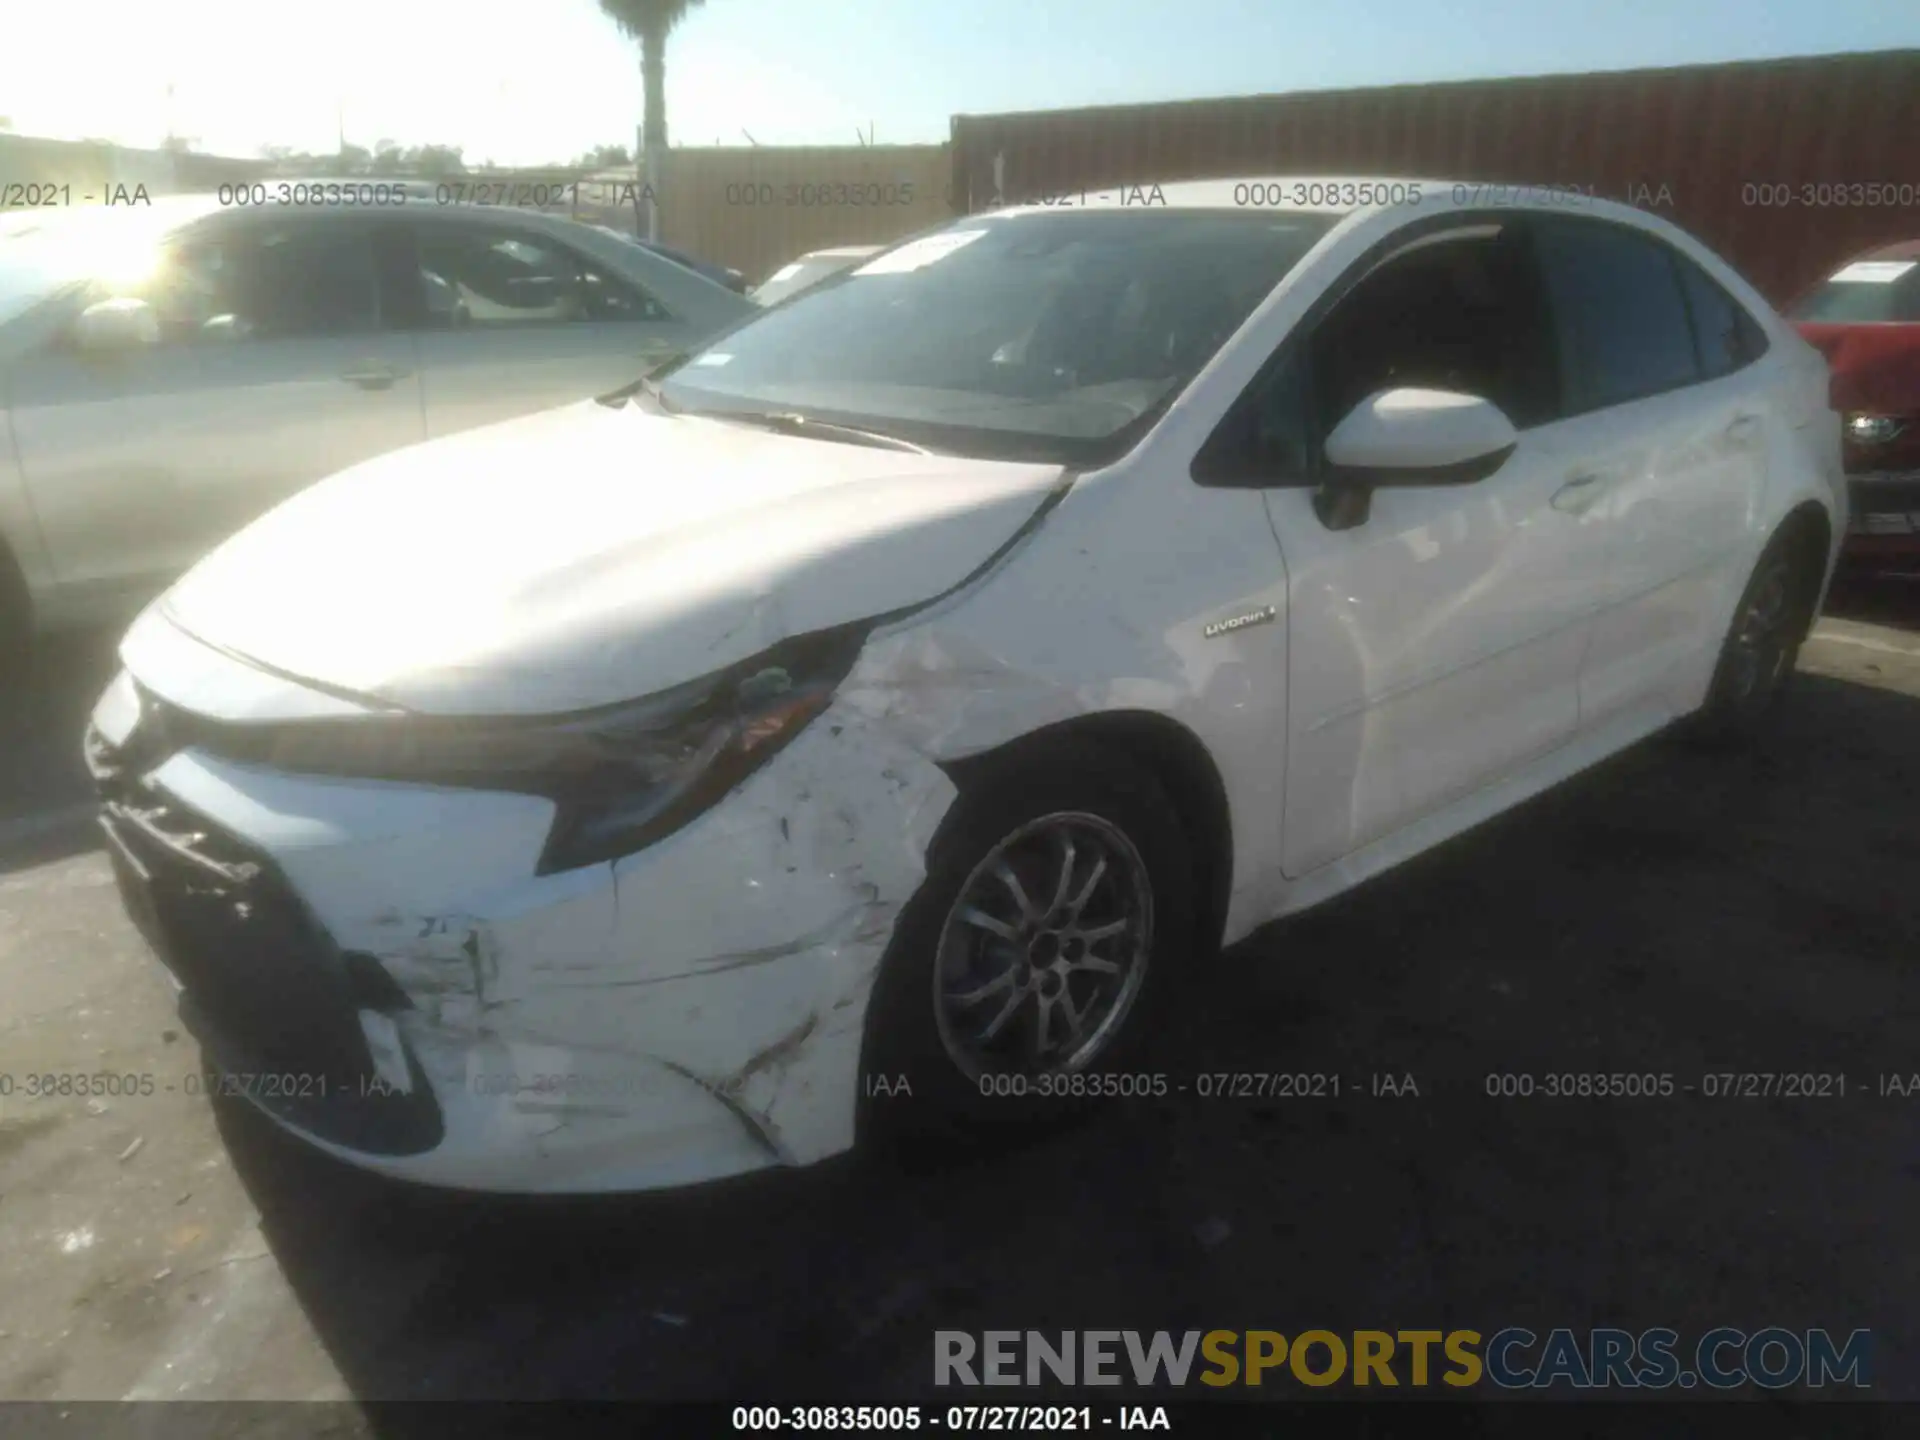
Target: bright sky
(522,90)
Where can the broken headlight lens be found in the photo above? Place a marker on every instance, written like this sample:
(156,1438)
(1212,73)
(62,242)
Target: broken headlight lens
(622,777)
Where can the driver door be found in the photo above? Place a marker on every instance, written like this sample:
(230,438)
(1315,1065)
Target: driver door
(1435,646)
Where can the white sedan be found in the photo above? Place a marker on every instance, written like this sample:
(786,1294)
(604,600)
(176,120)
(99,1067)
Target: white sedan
(860,729)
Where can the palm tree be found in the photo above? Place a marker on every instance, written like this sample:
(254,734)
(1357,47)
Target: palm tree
(650,22)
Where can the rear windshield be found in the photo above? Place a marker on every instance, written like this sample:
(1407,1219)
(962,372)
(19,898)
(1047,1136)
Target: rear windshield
(1866,292)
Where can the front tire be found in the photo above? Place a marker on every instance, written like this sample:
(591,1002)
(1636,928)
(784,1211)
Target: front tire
(1025,973)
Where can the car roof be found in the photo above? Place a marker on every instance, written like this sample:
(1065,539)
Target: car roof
(843,252)
(1323,194)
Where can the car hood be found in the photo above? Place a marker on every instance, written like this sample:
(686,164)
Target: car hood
(589,555)
(1876,368)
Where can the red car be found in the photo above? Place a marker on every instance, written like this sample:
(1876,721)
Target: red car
(1865,318)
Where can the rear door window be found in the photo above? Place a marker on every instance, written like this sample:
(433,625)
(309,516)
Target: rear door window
(1725,335)
(488,277)
(1619,312)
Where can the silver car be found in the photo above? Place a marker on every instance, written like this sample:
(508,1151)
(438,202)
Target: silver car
(169,371)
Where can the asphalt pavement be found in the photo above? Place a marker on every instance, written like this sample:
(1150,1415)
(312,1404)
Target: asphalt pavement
(1667,913)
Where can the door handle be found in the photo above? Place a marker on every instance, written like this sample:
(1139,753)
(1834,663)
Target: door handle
(371,376)
(1574,497)
(1743,428)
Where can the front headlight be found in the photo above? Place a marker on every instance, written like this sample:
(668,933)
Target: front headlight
(1873,429)
(622,777)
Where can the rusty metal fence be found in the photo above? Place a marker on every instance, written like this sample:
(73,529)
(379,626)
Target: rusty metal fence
(1785,167)
(755,208)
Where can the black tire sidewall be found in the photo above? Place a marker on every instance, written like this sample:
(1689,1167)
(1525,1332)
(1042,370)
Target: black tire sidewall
(16,630)
(1725,716)
(902,1044)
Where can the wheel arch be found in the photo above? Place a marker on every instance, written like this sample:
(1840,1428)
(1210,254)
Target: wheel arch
(1183,765)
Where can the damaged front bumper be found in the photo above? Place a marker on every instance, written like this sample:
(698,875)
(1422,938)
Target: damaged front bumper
(385,974)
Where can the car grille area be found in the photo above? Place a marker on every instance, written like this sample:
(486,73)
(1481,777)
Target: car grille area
(273,1001)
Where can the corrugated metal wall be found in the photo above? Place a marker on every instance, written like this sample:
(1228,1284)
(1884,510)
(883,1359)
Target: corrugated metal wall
(1758,159)
(757,207)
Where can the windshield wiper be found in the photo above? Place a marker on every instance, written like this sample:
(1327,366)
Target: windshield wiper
(792,422)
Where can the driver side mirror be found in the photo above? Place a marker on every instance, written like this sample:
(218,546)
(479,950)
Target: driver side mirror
(1409,437)
(111,327)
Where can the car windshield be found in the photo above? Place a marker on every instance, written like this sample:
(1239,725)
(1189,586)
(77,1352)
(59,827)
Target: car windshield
(792,279)
(1049,336)
(1866,292)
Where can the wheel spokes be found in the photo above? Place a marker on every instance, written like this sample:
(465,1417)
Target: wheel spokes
(1009,986)
(1078,903)
(993,987)
(980,919)
(1003,872)
(1065,883)
(999,1021)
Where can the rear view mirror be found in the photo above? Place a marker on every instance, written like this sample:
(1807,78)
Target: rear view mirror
(1410,437)
(113,326)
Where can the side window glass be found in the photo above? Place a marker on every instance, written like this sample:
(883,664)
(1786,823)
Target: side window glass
(1457,313)
(1266,438)
(609,297)
(1728,337)
(1619,312)
(192,293)
(488,278)
(282,282)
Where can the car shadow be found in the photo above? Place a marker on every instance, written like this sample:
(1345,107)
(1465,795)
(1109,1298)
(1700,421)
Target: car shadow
(45,795)
(1667,913)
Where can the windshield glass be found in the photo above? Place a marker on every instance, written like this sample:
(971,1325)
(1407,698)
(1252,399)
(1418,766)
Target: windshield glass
(1866,292)
(792,279)
(1038,336)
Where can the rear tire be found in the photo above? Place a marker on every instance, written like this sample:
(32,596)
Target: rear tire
(16,631)
(976,1005)
(1770,622)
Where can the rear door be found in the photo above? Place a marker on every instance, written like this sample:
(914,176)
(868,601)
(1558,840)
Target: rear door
(1671,418)
(274,368)
(517,321)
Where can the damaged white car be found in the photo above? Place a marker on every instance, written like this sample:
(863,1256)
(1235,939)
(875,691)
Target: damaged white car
(865,723)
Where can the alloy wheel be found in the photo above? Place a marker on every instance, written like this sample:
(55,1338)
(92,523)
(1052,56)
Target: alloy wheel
(1045,948)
